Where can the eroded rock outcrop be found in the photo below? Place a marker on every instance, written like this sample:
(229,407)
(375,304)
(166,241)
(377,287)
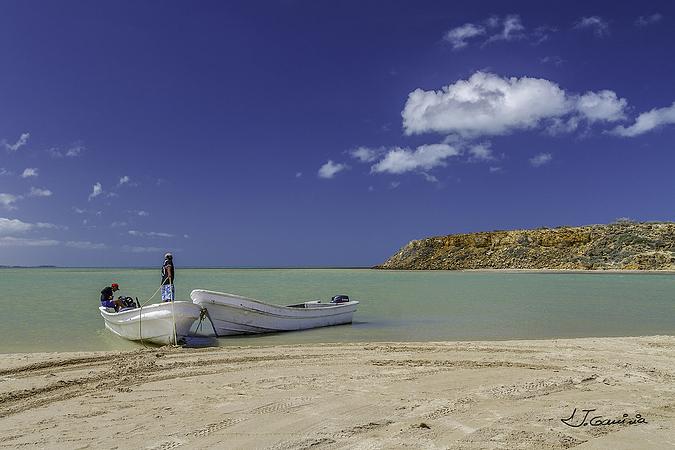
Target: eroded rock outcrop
(623,245)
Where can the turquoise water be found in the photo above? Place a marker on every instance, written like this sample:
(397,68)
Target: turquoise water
(57,309)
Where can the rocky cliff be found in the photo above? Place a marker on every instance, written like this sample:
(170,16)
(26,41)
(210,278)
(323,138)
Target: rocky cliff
(623,245)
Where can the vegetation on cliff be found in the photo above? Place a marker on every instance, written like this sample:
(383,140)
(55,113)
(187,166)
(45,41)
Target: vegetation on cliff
(622,245)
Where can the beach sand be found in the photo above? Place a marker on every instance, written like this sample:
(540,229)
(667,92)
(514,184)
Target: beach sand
(508,394)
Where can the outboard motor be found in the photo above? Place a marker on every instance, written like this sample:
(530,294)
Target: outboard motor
(340,299)
(128,302)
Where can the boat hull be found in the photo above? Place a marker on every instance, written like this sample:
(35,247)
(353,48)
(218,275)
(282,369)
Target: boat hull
(154,323)
(233,314)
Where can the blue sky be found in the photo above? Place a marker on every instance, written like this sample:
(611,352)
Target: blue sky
(315,133)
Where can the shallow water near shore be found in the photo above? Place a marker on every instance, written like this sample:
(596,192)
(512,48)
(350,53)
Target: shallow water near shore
(56,309)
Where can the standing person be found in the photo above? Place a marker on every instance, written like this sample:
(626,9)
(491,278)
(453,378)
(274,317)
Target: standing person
(108,297)
(168,275)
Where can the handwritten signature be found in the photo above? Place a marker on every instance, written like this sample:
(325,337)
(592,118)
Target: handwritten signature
(595,421)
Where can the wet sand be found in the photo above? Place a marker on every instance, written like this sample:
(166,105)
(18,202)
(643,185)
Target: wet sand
(469,395)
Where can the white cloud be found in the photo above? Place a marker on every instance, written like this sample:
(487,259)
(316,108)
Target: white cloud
(555,60)
(70,152)
(602,106)
(186,236)
(38,192)
(365,154)
(648,121)
(330,169)
(126,181)
(298,174)
(540,159)
(512,29)
(149,234)
(86,245)
(4,171)
(429,178)
(74,151)
(459,36)
(485,104)
(23,140)
(425,157)
(481,152)
(542,33)
(644,21)
(79,210)
(16,226)
(97,190)
(8,200)
(495,169)
(9,241)
(29,172)
(137,212)
(138,249)
(596,23)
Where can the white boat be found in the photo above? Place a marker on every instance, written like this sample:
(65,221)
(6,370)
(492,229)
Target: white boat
(233,314)
(152,323)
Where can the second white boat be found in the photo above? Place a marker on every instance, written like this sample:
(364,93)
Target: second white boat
(233,314)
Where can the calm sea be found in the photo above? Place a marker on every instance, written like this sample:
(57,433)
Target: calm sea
(57,309)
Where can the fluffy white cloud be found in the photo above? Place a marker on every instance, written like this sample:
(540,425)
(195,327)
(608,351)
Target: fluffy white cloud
(124,180)
(481,152)
(330,169)
(16,226)
(9,241)
(648,121)
(644,21)
(485,104)
(511,29)
(602,106)
(8,200)
(365,154)
(508,28)
(86,245)
(38,192)
(97,190)
(459,36)
(596,23)
(70,152)
(540,159)
(29,172)
(23,140)
(425,157)
(138,249)
(149,234)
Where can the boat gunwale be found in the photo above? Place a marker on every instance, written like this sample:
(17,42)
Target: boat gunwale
(324,307)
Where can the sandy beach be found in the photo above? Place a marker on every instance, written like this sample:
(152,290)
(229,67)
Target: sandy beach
(508,394)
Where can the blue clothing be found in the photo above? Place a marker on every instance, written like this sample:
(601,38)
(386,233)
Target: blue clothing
(107,303)
(168,292)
